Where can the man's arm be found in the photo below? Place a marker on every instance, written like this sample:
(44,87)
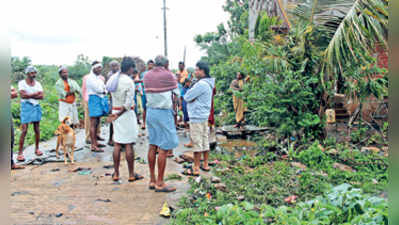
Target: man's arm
(193,93)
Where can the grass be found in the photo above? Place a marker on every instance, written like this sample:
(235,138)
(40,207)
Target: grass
(264,181)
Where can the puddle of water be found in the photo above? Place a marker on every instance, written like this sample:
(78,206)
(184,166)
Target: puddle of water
(238,147)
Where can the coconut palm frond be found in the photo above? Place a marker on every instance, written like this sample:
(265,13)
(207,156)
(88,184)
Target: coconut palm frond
(363,28)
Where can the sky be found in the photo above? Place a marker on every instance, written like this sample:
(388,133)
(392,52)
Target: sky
(55,32)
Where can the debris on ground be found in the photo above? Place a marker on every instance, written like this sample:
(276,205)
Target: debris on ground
(108,166)
(59,215)
(343,167)
(198,179)
(220,187)
(84,172)
(215,180)
(174,177)
(299,165)
(55,170)
(370,149)
(165,211)
(103,200)
(20,193)
(241,198)
(74,170)
(291,199)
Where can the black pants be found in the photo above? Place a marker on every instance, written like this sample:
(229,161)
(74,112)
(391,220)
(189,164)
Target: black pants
(12,142)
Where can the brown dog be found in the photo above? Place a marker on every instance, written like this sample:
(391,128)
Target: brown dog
(66,139)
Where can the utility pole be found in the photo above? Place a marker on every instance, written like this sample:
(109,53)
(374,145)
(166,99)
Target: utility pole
(184,55)
(164,29)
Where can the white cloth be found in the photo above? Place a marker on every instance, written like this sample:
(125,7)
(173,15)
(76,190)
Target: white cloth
(22,85)
(125,127)
(161,100)
(66,109)
(95,85)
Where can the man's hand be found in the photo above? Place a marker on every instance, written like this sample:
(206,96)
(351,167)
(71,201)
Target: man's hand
(112,118)
(14,93)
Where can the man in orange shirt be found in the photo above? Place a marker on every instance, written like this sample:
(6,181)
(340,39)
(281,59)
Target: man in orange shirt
(67,90)
(183,74)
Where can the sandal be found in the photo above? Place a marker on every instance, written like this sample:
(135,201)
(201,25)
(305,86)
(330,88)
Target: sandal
(101,145)
(151,186)
(38,153)
(203,169)
(166,189)
(97,150)
(190,172)
(17,167)
(115,178)
(21,158)
(135,178)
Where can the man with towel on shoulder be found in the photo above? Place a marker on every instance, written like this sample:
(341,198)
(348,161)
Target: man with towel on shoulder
(159,84)
(123,117)
(67,90)
(98,103)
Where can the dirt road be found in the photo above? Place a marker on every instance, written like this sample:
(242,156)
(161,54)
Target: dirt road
(52,194)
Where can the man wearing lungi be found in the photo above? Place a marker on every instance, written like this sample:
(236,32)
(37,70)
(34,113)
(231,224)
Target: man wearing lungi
(115,68)
(85,98)
(67,90)
(122,89)
(31,92)
(98,103)
(159,84)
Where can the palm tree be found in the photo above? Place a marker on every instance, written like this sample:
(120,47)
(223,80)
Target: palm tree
(353,28)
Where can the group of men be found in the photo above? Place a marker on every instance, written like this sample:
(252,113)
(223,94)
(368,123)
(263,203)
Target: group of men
(162,92)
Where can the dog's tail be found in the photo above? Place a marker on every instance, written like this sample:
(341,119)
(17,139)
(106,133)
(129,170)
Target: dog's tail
(65,119)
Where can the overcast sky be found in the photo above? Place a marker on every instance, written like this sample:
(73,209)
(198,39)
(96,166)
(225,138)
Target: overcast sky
(55,32)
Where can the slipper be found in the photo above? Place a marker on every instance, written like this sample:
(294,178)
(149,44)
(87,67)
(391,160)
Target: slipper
(179,160)
(115,178)
(21,158)
(100,138)
(203,169)
(17,167)
(97,150)
(101,145)
(166,189)
(38,153)
(191,173)
(135,178)
(171,156)
(109,143)
(151,187)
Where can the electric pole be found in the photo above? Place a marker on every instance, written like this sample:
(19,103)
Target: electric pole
(184,55)
(164,29)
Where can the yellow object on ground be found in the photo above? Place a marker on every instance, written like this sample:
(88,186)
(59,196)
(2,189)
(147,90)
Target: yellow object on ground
(165,211)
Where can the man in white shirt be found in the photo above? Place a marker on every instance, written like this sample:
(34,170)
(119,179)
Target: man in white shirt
(31,92)
(122,89)
(97,104)
(159,85)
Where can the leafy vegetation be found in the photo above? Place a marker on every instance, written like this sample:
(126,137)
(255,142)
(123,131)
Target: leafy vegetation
(294,77)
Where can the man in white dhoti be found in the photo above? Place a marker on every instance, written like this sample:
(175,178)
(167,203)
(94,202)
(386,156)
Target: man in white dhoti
(67,90)
(123,117)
